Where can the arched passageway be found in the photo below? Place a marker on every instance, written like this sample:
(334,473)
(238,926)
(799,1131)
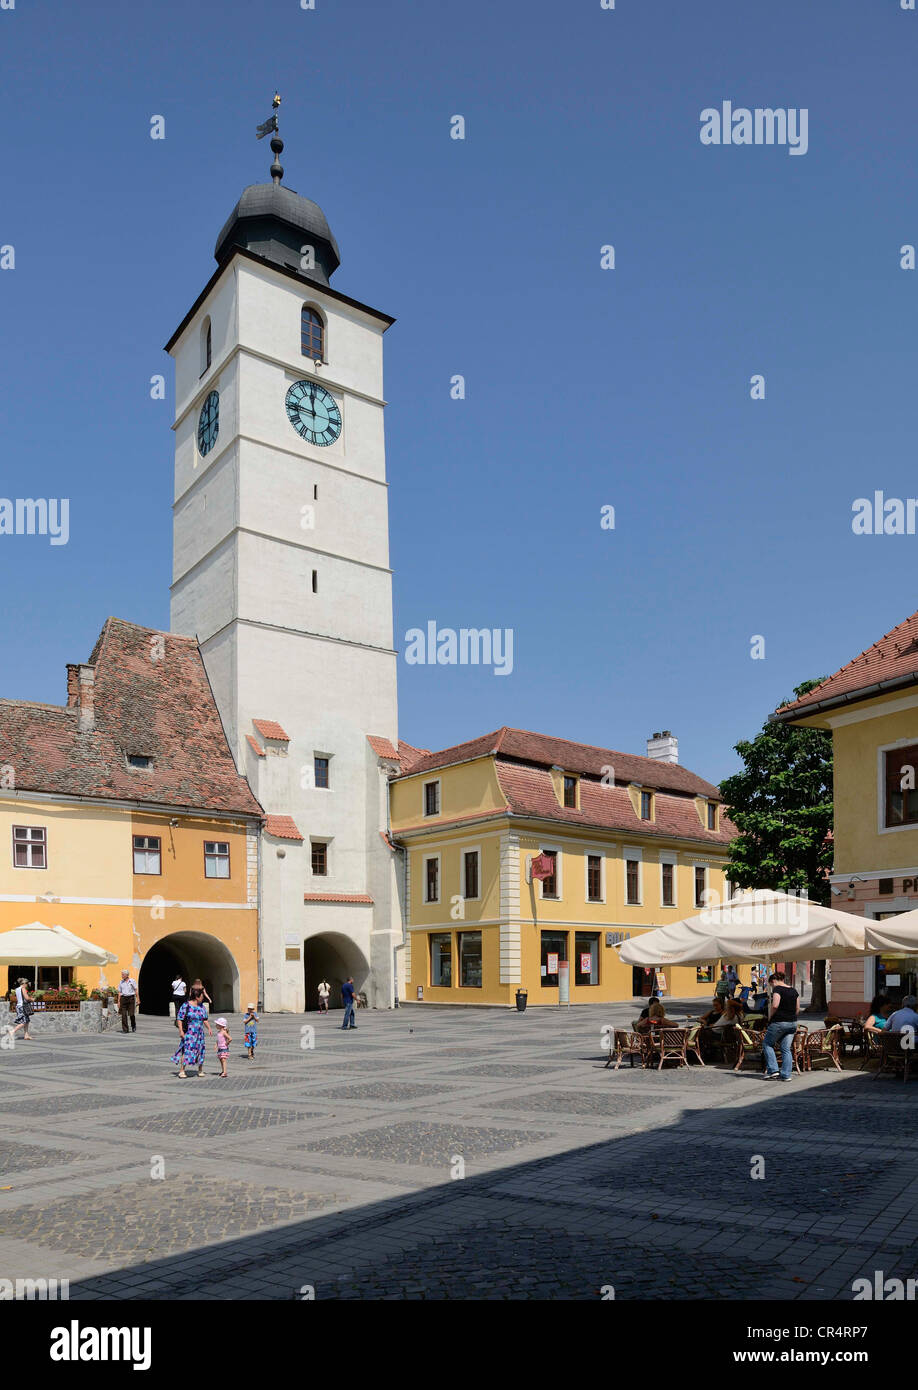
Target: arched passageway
(191,954)
(332,957)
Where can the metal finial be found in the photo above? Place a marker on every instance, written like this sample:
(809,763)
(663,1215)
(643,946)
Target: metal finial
(277,144)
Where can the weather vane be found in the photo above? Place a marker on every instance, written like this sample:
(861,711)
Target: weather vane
(270,127)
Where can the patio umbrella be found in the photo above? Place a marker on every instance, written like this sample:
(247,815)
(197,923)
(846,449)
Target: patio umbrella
(759,924)
(897,934)
(37,944)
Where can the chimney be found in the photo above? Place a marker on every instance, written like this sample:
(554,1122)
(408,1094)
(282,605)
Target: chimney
(73,685)
(85,696)
(664,747)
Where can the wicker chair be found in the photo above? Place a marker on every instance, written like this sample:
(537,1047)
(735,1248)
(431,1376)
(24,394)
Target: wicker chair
(693,1041)
(669,1045)
(625,1044)
(872,1051)
(798,1048)
(893,1056)
(748,1047)
(822,1046)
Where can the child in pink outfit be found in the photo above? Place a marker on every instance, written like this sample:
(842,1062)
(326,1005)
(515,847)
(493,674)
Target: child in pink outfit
(223,1043)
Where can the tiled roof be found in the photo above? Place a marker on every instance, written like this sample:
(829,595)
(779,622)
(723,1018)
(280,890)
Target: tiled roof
(282,827)
(259,751)
(891,662)
(581,758)
(409,755)
(337,898)
(269,728)
(151,696)
(530,792)
(383,748)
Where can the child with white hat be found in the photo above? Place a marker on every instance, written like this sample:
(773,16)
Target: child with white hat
(223,1043)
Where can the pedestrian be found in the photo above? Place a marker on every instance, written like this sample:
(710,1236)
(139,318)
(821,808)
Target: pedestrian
(192,1020)
(224,1038)
(722,989)
(324,992)
(782,1025)
(347,999)
(250,1024)
(179,990)
(732,980)
(198,983)
(128,1001)
(23,1010)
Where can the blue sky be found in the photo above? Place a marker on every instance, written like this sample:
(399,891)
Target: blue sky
(626,387)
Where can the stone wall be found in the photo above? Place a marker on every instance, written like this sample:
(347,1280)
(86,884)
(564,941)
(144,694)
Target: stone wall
(88,1020)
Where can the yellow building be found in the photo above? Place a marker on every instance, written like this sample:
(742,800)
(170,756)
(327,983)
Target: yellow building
(632,843)
(871,707)
(125,820)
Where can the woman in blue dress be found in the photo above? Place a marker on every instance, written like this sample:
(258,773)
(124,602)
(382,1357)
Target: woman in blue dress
(192,1020)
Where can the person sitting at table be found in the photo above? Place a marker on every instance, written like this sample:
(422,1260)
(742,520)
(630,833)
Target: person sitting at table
(656,1018)
(906,1016)
(732,1013)
(878,1017)
(715,1012)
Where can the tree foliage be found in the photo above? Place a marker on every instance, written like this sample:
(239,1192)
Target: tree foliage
(781,803)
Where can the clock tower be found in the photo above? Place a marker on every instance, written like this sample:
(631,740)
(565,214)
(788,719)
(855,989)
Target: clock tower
(281,571)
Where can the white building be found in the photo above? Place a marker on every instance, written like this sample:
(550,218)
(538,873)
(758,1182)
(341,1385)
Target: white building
(281,570)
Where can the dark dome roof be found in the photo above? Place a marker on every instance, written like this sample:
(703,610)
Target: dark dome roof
(275,222)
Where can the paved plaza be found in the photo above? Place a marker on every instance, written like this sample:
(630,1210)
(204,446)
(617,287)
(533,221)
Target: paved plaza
(446,1154)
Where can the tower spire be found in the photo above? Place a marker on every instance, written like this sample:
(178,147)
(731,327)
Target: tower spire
(270,127)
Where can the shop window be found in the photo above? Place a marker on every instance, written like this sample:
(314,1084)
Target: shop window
(633,882)
(30,847)
(901,792)
(441,960)
(586,958)
(668,885)
(470,959)
(216,859)
(147,854)
(704,974)
(594,878)
(554,950)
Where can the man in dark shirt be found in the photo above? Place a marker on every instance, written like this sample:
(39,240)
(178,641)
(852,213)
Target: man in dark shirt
(347,999)
(782,1025)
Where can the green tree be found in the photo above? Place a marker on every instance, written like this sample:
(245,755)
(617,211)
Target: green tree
(781,803)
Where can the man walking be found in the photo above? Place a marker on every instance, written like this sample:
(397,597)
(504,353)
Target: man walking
(178,991)
(782,1025)
(128,1001)
(347,999)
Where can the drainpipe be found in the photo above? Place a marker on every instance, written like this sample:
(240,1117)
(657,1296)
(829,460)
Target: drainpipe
(260,934)
(400,849)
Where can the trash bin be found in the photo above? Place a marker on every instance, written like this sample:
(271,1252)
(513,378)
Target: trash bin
(521,997)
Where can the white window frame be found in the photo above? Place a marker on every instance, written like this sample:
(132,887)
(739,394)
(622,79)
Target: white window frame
(463,851)
(425,860)
(14,842)
(636,857)
(882,750)
(218,859)
(153,873)
(701,864)
(671,859)
(556,897)
(588,855)
(431,815)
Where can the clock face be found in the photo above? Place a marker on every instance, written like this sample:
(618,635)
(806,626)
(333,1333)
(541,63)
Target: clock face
(313,413)
(209,423)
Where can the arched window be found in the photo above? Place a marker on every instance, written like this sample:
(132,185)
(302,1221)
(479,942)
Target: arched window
(205,346)
(312,334)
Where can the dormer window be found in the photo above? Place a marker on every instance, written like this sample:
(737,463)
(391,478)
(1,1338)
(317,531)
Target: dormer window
(712,815)
(646,805)
(140,760)
(570,792)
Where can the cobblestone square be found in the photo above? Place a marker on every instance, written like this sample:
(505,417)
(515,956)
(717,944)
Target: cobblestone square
(457,1154)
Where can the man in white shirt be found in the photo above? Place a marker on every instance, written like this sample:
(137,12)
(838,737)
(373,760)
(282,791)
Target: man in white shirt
(128,1001)
(324,992)
(178,992)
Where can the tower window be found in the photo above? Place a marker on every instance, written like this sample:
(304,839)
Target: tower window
(312,334)
(206,346)
(315,581)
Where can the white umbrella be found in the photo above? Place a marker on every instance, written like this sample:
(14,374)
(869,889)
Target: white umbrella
(759,924)
(894,935)
(37,944)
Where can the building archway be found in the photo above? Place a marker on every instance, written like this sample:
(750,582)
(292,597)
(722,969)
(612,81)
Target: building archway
(191,954)
(332,956)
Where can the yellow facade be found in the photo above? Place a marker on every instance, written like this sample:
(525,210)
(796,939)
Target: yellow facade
(512,913)
(206,925)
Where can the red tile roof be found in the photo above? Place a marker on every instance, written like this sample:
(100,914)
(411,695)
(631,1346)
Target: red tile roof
(409,755)
(337,898)
(257,747)
(573,757)
(890,663)
(151,696)
(269,728)
(383,748)
(282,827)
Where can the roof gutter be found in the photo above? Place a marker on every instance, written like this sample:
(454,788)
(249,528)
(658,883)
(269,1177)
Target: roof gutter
(852,697)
